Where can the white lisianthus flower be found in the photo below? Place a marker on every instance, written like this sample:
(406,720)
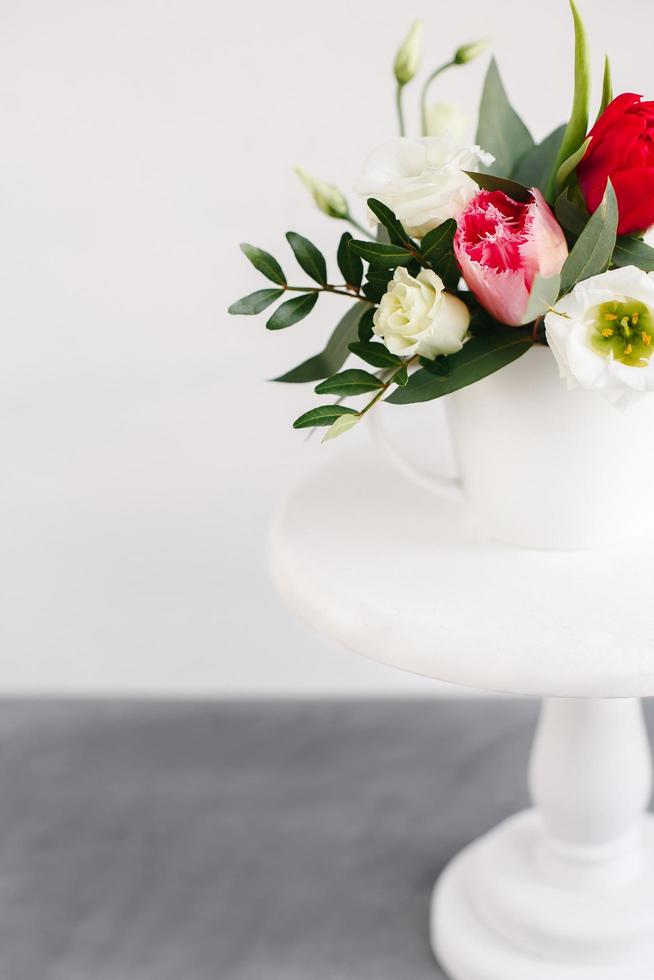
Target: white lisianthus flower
(417,316)
(422,180)
(447,119)
(602,334)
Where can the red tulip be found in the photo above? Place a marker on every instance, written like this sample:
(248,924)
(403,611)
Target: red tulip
(622,149)
(501,246)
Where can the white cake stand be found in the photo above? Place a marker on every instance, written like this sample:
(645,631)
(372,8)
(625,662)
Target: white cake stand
(564,891)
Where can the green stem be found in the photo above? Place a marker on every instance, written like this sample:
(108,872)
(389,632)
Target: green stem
(425,90)
(382,391)
(328,289)
(400,112)
(360,228)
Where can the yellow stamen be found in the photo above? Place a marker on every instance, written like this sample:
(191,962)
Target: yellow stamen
(647,340)
(628,349)
(607,332)
(610,316)
(634,318)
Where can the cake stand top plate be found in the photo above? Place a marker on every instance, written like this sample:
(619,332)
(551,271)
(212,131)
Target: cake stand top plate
(403,576)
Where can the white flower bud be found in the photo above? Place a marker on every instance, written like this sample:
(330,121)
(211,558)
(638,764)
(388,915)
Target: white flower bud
(468,52)
(409,56)
(327,197)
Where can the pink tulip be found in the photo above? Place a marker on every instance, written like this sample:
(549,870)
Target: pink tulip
(501,246)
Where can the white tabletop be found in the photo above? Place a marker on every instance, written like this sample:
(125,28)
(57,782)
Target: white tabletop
(402,576)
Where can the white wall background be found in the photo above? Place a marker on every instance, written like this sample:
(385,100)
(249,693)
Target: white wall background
(142,452)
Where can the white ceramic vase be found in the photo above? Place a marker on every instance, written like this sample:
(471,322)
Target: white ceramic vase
(544,467)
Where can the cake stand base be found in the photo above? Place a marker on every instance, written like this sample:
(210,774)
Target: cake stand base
(497,916)
(564,891)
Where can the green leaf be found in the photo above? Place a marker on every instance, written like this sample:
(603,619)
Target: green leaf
(478,358)
(577,127)
(292,311)
(438,241)
(544,294)
(607,87)
(376,354)
(439,365)
(347,383)
(255,302)
(396,233)
(376,284)
(632,251)
(593,249)
(501,131)
(535,167)
(308,256)
(264,262)
(365,330)
(401,377)
(569,165)
(448,269)
(322,415)
(335,353)
(380,255)
(342,424)
(569,216)
(490,182)
(350,264)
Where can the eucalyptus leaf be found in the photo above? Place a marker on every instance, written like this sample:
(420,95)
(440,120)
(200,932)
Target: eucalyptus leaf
(633,251)
(577,127)
(308,256)
(478,358)
(396,233)
(490,182)
(264,262)
(347,383)
(381,255)
(255,302)
(292,311)
(332,358)
(593,249)
(342,424)
(350,264)
(376,354)
(438,241)
(322,415)
(535,167)
(569,215)
(544,294)
(501,131)
(569,165)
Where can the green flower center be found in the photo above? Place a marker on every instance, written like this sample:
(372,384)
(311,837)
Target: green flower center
(624,328)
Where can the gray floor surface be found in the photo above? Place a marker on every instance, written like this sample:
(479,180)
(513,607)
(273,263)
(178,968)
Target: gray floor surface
(241,841)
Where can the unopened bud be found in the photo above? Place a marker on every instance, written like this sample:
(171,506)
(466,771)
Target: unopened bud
(468,52)
(409,56)
(328,198)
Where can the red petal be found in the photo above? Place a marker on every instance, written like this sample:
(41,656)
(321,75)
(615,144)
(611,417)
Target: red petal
(634,190)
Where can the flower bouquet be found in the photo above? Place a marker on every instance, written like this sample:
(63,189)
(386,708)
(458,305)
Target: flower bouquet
(480,255)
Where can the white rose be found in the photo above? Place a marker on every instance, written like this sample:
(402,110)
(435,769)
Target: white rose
(422,180)
(447,119)
(602,334)
(417,316)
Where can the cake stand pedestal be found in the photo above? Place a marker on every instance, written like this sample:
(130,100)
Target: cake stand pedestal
(564,891)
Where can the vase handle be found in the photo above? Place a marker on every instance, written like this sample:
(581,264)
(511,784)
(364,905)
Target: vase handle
(450,486)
